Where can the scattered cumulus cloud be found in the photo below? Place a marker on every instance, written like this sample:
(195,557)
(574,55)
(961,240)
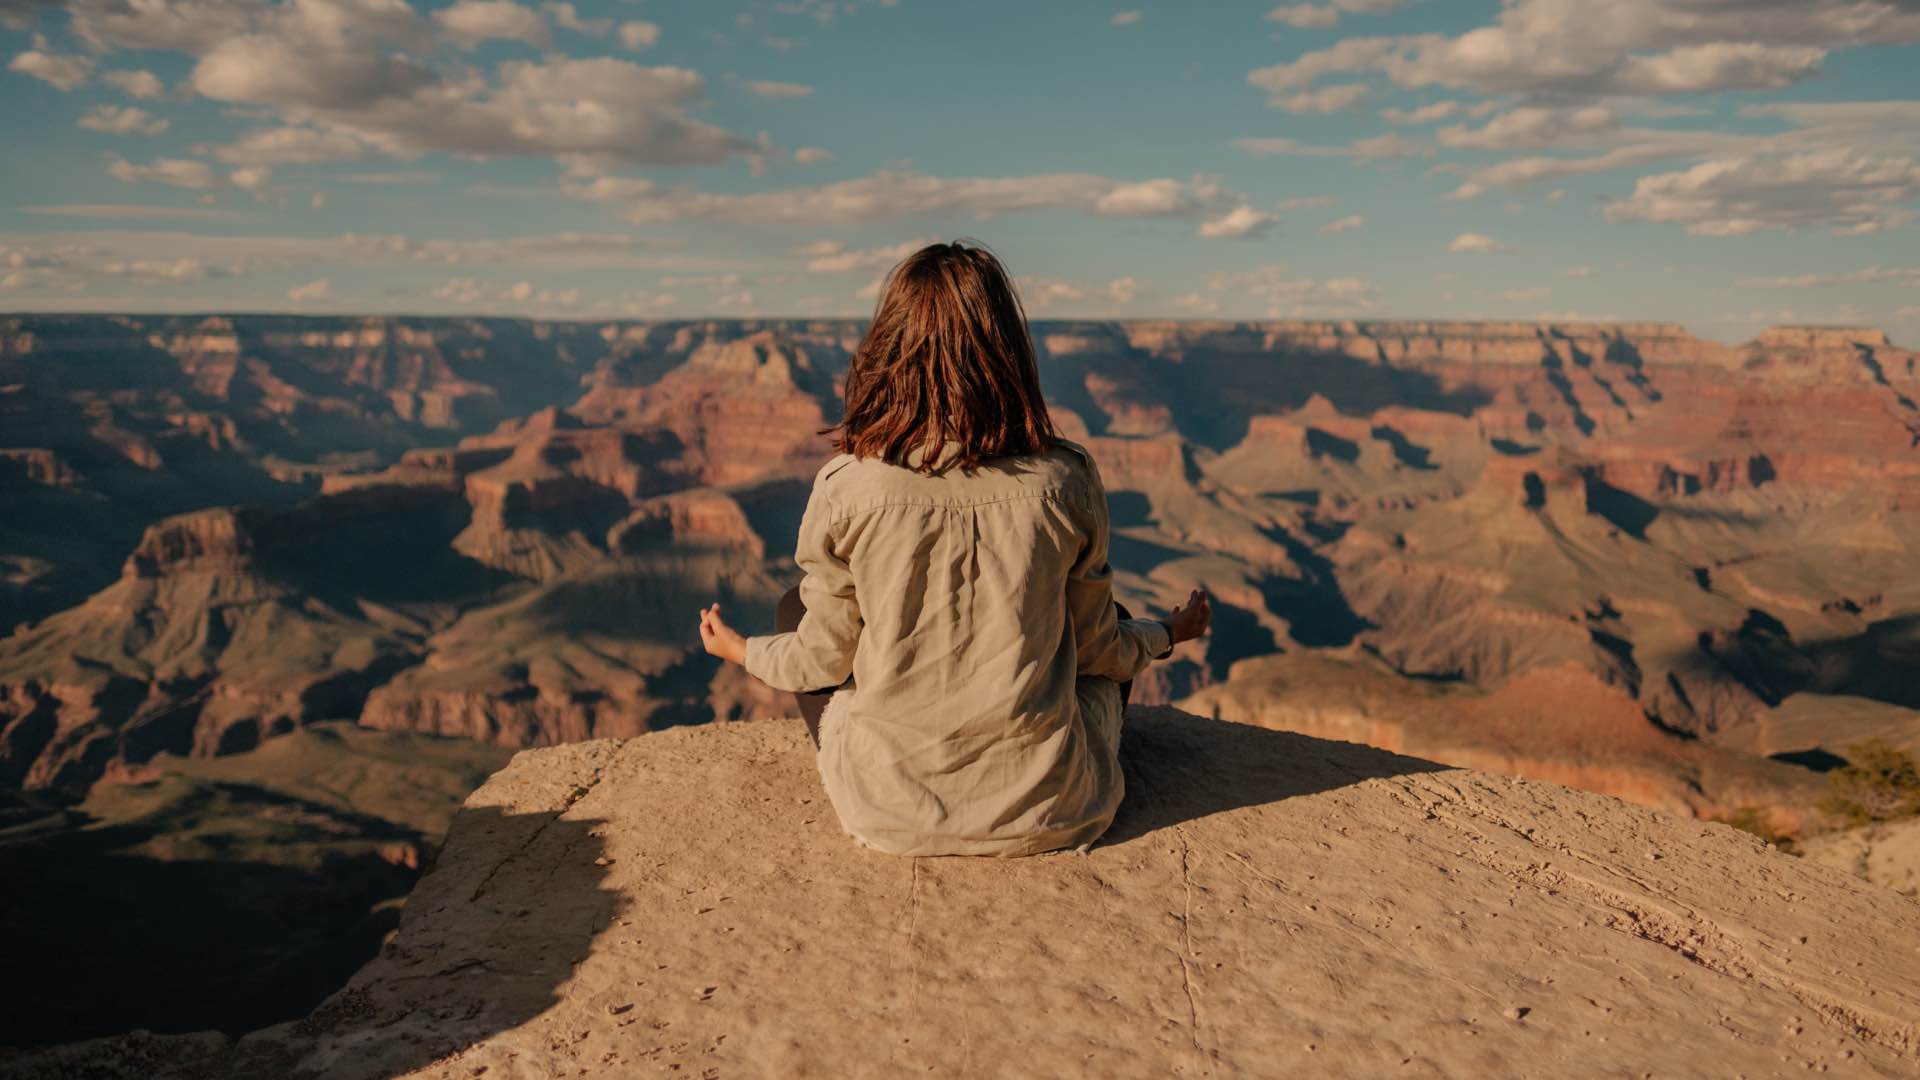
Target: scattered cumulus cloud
(1392,144)
(1043,294)
(122,120)
(1125,18)
(136,211)
(638,34)
(832,257)
(1851,193)
(174,172)
(137,84)
(812,155)
(779,91)
(1240,223)
(1322,16)
(62,71)
(1475,244)
(1326,99)
(311,291)
(1278,293)
(471,22)
(1425,114)
(567,17)
(518,296)
(291,146)
(1345,224)
(891,194)
(1898,275)
(1569,50)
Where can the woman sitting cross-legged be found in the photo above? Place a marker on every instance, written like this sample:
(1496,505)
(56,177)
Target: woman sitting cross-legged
(954,643)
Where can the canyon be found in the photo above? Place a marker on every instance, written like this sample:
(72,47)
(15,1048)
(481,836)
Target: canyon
(237,548)
(1616,556)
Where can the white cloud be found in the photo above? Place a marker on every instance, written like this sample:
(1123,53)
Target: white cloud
(778,91)
(312,290)
(122,120)
(1526,171)
(1125,18)
(511,296)
(137,84)
(64,263)
(1899,275)
(1345,224)
(401,176)
(1526,294)
(812,155)
(291,146)
(894,194)
(183,269)
(566,17)
(1047,293)
(1846,191)
(1161,198)
(1320,16)
(1475,244)
(1530,127)
(565,251)
(175,172)
(830,257)
(62,71)
(1372,148)
(1577,272)
(189,26)
(1326,99)
(638,34)
(368,69)
(1425,114)
(254,178)
(131,211)
(1282,295)
(1577,50)
(602,107)
(471,22)
(1242,222)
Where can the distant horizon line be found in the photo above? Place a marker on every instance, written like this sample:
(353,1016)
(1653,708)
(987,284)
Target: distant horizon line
(1033,320)
(211,313)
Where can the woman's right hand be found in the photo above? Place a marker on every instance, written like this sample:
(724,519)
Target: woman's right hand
(1190,621)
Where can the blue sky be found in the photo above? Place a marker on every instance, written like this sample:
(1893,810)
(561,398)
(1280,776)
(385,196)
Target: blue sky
(1726,164)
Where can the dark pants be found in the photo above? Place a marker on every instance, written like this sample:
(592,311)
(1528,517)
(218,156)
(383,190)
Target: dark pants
(814,702)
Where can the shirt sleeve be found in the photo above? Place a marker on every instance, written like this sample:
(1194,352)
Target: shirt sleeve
(1106,644)
(818,654)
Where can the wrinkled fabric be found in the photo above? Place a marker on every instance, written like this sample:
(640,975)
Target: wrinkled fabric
(968,619)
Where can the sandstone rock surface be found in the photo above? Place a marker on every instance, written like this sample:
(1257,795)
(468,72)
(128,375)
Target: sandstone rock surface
(1268,904)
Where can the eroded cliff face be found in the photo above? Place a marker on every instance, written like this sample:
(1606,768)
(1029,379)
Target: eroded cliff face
(1614,555)
(1266,904)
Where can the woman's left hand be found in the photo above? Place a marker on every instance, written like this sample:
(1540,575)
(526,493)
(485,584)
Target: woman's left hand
(720,639)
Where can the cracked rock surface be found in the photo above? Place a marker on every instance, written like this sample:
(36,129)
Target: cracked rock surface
(1268,904)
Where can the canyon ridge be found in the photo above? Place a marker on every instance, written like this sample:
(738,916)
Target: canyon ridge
(1616,557)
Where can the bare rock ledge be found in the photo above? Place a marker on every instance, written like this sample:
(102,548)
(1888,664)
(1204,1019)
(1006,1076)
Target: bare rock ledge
(1268,904)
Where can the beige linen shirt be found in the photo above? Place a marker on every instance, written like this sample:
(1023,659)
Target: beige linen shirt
(974,612)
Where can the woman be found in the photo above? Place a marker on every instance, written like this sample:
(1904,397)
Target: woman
(956,620)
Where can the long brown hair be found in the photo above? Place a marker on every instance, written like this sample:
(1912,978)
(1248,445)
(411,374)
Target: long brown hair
(947,360)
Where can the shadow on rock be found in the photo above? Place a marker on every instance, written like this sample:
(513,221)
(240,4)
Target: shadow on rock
(418,1001)
(1181,767)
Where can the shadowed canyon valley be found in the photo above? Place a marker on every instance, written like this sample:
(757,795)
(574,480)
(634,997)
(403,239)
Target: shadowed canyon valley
(1618,557)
